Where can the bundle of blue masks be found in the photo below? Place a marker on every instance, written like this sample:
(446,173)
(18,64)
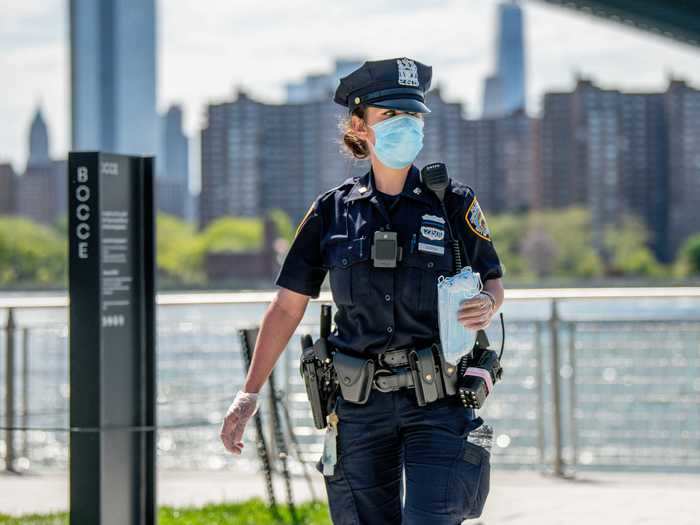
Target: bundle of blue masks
(456,340)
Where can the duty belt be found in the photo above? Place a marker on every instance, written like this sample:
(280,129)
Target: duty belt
(422,369)
(394,371)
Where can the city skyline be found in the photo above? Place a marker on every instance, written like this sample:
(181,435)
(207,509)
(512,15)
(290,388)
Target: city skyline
(190,44)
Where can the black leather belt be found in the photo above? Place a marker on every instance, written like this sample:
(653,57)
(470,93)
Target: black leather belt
(394,357)
(389,380)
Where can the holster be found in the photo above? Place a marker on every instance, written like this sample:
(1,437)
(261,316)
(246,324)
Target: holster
(354,375)
(319,378)
(317,370)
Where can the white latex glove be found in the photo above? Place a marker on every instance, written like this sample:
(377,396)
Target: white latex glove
(244,406)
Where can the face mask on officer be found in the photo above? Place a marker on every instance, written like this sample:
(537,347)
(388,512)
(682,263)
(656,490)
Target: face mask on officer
(399,139)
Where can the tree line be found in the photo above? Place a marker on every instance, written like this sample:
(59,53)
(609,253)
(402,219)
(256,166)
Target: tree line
(535,247)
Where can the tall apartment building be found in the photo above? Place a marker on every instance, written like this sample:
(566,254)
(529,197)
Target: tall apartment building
(625,153)
(8,180)
(257,157)
(41,192)
(682,108)
(644,161)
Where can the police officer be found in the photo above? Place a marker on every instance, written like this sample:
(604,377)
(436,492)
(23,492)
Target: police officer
(384,310)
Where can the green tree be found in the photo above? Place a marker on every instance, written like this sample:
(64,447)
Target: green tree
(507,231)
(60,225)
(627,251)
(233,234)
(285,230)
(689,258)
(570,231)
(31,252)
(179,251)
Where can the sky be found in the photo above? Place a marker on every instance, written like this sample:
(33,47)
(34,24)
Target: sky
(209,48)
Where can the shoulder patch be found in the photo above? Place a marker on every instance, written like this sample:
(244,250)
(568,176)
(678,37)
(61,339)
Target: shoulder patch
(476,220)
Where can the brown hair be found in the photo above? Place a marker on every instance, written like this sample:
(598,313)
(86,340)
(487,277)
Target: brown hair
(353,144)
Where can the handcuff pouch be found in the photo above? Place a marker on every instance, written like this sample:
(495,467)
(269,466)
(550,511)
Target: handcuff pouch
(355,375)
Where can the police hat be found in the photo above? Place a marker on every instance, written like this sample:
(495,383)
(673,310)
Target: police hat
(397,83)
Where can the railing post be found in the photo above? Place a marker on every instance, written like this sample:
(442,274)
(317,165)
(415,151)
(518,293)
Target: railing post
(572,393)
(556,398)
(9,390)
(25,391)
(540,391)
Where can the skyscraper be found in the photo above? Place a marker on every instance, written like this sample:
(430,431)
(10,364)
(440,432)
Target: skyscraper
(38,140)
(172,167)
(504,91)
(40,193)
(113,75)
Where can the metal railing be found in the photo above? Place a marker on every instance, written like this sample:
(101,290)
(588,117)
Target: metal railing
(586,385)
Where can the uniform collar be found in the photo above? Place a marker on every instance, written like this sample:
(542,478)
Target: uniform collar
(413,187)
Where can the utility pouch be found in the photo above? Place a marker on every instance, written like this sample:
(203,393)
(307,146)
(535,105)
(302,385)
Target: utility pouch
(424,371)
(355,375)
(449,372)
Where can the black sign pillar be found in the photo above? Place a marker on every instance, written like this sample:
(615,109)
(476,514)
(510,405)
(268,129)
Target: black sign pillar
(112,339)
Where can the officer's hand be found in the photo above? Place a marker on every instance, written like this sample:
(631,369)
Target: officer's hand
(476,313)
(244,406)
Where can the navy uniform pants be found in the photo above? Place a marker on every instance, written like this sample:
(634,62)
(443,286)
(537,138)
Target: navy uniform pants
(446,476)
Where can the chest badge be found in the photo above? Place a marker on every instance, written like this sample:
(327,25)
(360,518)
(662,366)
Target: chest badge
(432,234)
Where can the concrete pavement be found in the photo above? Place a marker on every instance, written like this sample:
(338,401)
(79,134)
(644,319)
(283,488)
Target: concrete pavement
(522,497)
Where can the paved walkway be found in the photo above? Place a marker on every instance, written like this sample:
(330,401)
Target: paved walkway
(525,498)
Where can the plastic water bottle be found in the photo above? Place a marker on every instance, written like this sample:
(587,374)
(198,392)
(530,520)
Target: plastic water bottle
(482,436)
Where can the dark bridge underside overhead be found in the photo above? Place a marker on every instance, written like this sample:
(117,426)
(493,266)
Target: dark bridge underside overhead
(679,19)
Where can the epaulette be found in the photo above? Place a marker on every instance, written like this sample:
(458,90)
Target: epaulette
(349,182)
(460,188)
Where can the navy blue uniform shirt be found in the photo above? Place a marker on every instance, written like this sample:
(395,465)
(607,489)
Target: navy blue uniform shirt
(380,308)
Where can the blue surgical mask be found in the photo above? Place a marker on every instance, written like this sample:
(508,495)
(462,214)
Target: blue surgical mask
(399,140)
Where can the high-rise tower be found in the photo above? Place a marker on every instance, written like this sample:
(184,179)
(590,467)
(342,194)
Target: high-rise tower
(504,91)
(113,75)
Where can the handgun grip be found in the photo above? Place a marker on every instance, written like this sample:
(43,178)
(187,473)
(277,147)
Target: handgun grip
(325,326)
(306,341)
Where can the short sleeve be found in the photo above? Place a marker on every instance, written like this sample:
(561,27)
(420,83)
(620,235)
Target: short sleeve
(474,234)
(302,270)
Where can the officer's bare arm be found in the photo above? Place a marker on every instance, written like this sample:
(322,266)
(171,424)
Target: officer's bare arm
(495,286)
(279,322)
